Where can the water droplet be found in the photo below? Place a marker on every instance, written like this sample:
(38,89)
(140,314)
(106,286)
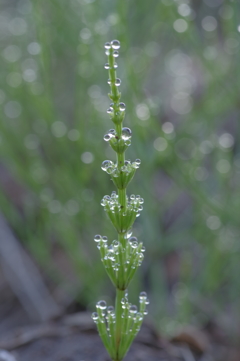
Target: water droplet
(147,302)
(97,238)
(111,257)
(138,161)
(110,309)
(133,309)
(102,305)
(107,66)
(139,316)
(107,52)
(95,316)
(143,296)
(116,54)
(115,244)
(112,131)
(145,312)
(122,107)
(126,133)
(115,66)
(128,234)
(109,81)
(132,197)
(110,169)
(134,244)
(133,241)
(118,82)
(110,110)
(107,45)
(115,44)
(104,239)
(143,249)
(106,164)
(107,137)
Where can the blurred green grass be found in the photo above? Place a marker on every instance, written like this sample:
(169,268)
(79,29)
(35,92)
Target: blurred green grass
(179,65)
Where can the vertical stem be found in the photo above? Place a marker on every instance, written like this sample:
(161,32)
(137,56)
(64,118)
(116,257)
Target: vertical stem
(118,310)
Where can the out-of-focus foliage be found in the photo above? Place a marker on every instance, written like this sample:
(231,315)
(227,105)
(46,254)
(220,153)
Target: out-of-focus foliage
(180,65)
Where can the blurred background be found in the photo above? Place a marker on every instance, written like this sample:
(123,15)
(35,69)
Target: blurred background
(179,66)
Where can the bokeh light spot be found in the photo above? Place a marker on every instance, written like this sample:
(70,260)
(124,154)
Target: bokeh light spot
(209,23)
(59,129)
(180,25)
(87,157)
(12,109)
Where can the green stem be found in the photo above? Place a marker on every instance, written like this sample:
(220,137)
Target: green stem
(118,325)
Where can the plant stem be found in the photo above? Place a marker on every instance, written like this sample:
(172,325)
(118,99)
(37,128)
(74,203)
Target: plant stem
(118,310)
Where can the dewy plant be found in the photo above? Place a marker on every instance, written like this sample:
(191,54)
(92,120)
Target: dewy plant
(118,326)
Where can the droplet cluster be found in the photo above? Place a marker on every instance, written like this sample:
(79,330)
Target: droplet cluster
(122,218)
(114,169)
(119,142)
(131,316)
(121,174)
(117,258)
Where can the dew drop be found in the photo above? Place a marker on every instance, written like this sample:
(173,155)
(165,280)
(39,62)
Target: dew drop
(107,52)
(104,239)
(102,305)
(133,309)
(107,45)
(116,54)
(107,137)
(97,238)
(95,316)
(115,44)
(128,234)
(132,197)
(107,66)
(143,296)
(134,244)
(122,107)
(118,82)
(115,244)
(109,81)
(126,133)
(110,110)
(138,161)
(115,66)
(145,312)
(110,309)
(139,316)
(106,164)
